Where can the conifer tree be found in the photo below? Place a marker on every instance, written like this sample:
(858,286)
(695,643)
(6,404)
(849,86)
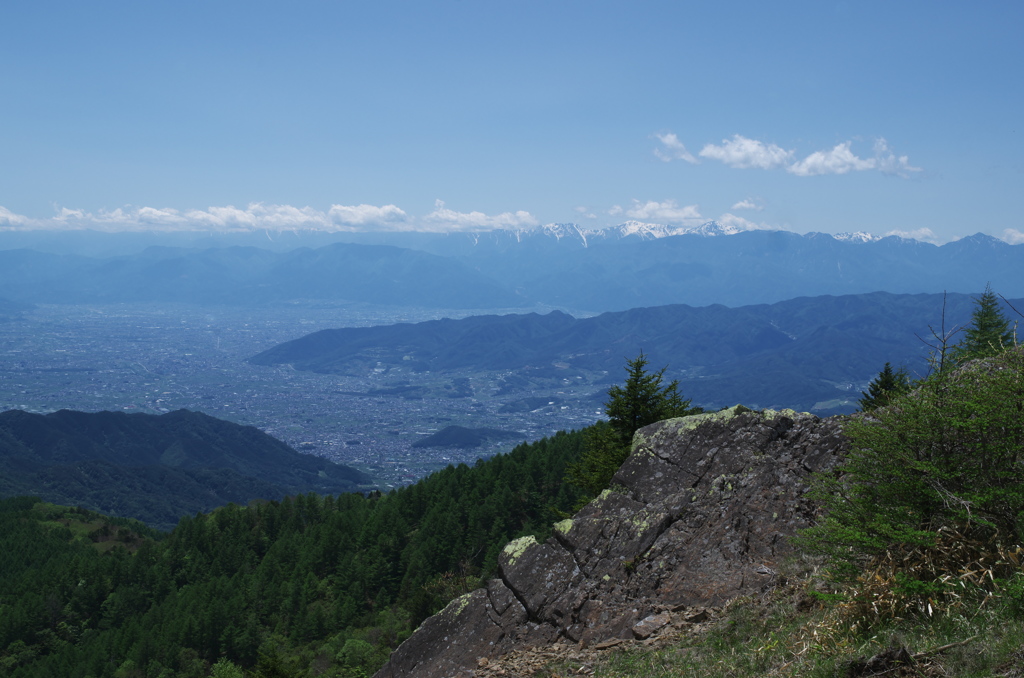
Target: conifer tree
(887,385)
(641,400)
(989,332)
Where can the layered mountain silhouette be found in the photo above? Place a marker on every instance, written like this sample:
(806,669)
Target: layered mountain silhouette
(372,274)
(563,266)
(801,353)
(156,468)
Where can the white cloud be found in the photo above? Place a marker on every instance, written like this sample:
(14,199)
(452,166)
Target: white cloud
(258,215)
(478,221)
(839,160)
(9,219)
(747,204)
(664,212)
(69,215)
(261,216)
(731,222)
(150,215)
(922,234)
(228,217)
(255,216)
(673,149)
(1010,235)
(615,210)
(362,215)
(889,163)
(744,153)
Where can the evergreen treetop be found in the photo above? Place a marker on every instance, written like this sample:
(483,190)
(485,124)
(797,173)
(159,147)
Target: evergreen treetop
(887,385)
(989,332)
(642,399)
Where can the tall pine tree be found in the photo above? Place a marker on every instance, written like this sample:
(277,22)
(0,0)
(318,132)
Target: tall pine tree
(989,332)
(642,399)
(887,385)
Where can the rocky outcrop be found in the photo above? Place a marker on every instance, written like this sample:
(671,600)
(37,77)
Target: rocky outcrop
(700,513)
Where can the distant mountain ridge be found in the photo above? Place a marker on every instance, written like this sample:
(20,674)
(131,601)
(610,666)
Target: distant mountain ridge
(155,467)
(630,267)
(798,353)
(376,274)
(563,266)
(638,229)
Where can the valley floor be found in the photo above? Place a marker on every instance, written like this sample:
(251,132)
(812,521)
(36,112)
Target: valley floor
(159,358)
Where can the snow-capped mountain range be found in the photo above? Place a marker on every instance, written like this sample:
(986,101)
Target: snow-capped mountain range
(636,229)
(566,266)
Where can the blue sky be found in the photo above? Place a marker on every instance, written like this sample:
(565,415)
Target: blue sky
(855,116)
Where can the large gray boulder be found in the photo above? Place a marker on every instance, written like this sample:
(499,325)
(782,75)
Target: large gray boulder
(700,513)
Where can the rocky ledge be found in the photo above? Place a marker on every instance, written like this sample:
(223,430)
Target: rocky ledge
(700,513)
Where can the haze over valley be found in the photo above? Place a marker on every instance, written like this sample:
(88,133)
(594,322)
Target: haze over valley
(155,359)
(327,330)
(256,336)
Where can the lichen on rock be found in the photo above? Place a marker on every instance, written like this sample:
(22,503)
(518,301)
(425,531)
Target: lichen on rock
(517,547)
(700,504)
(456,607)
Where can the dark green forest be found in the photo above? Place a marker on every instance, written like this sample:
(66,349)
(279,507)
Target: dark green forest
(155,468)
(309,585)
(327,585)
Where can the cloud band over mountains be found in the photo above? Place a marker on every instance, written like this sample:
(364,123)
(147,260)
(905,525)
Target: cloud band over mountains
(259,216)
(357,218)
(344,218)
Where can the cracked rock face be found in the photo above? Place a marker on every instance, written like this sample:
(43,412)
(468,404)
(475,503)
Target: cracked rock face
(702,512)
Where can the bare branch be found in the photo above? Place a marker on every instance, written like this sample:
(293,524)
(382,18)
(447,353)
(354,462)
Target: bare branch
(943,341)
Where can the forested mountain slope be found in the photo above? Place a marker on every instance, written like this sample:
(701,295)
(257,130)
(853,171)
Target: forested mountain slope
(156,468)
(306,586)
(800,353)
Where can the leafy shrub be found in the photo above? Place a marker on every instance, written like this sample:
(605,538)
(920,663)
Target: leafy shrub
(947,456)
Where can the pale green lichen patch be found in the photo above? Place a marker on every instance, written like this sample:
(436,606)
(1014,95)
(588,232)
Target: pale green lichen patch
(603,496)
(455,608)
(640,441)
(643,520)
(771,414)
(680,425)
(564,526)
(517,547)
(694,420)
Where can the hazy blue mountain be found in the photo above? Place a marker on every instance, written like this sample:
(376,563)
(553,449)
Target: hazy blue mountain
(798,353)
(743,268)
(561,266)
(491,342)
(375,274)
(155,467)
